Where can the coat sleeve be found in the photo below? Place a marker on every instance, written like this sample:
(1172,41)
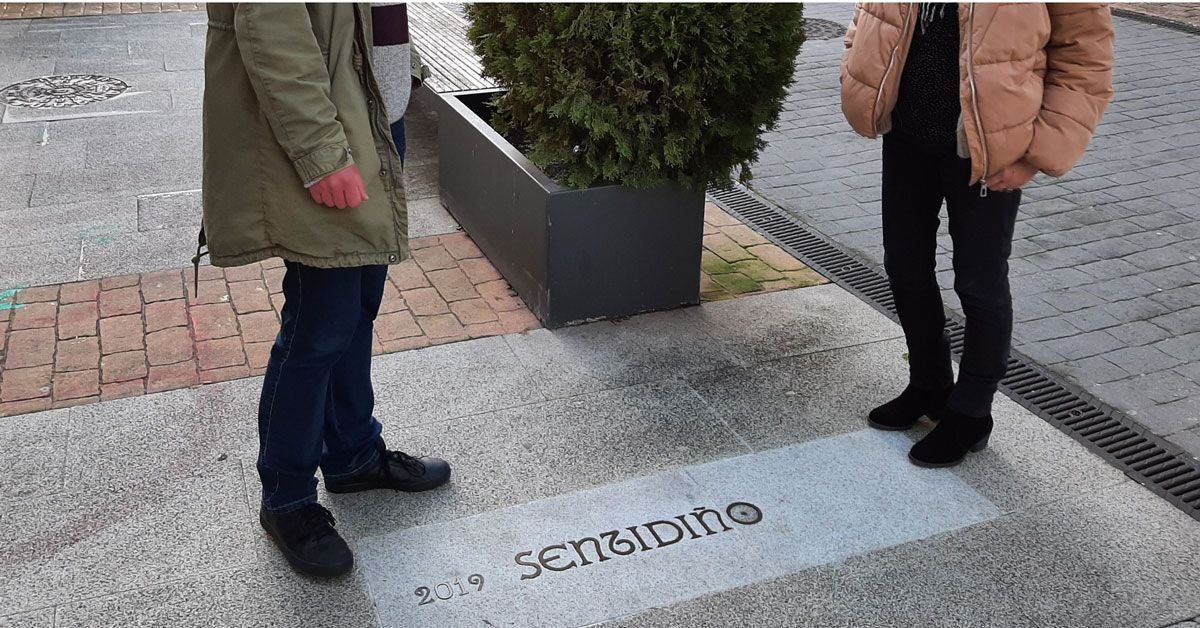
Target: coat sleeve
(1078,85)
(291,82)
(852,29)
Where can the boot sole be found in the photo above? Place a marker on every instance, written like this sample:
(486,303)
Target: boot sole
(897,428)
(892,428)
(976,448)
(303,566)
(361,487)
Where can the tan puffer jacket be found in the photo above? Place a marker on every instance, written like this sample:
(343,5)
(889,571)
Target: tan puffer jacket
(1035,78)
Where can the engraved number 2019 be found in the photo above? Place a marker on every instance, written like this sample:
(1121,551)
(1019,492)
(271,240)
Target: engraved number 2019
(452,589)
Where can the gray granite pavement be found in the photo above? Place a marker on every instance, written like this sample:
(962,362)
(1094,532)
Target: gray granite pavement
(140,512)
(581,454)
(112,188)
(1106,261)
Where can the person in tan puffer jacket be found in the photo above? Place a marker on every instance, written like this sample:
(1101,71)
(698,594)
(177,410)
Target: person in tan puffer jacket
(972,102)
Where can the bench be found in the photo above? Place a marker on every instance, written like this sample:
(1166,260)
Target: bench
(439,32)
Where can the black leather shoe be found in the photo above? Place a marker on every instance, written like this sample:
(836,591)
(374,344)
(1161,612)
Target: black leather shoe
(955,436)
(396,470)
(308,540)
(904,411)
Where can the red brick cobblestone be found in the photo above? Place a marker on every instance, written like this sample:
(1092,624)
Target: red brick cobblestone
(122,336)
(29,10)
(83,342)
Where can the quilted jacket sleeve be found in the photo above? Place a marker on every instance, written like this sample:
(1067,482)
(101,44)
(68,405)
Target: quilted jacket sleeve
(1078,85)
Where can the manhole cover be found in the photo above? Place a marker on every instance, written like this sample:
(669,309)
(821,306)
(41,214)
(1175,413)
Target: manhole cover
(58,92)
(823,29)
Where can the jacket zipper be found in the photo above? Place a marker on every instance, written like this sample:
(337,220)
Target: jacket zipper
(975,98)
(891,64)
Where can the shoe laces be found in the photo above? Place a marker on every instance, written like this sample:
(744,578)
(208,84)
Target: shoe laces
(413,465)
(316,522)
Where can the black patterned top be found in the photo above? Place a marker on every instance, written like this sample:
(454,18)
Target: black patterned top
(928,106)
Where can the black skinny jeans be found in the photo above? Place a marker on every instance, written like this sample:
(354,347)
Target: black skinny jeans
(915,182)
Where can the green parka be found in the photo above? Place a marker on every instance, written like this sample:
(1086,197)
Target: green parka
(290,97)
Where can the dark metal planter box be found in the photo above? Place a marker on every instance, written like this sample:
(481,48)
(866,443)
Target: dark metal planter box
(573,255)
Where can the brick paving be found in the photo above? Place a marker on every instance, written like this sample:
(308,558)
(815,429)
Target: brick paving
(77,343)
(737,261)
(114,325)
(66,345)
(32,10)
(1106,275)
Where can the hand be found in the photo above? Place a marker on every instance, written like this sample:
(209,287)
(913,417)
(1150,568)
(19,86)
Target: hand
(341,189)
(1011,178)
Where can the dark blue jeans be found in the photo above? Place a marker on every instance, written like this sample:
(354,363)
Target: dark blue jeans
(317,401)
(398,136)
(916,180)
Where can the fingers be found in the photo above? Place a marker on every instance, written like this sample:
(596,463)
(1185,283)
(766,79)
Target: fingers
(354,197)
(1003,181)
(1000,180)
(343,189)
(325,197)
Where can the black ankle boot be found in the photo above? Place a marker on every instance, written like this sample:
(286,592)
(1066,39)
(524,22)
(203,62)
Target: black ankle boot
(904,411)
(949,442)
(396,470)
(308,541)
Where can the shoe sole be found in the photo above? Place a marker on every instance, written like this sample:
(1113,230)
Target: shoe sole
(895,428)
(934,465)
(303,566)
(978,447)
(891,428)
(372,486)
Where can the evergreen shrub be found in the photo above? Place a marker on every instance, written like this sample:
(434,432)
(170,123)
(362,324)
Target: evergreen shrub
(638,94)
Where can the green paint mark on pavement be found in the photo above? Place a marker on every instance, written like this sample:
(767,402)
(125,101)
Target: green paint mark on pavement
(8,298)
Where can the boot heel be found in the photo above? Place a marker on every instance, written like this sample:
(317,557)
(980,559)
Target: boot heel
(981,445)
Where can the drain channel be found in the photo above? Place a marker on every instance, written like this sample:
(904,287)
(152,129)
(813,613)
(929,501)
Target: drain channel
(1150,460)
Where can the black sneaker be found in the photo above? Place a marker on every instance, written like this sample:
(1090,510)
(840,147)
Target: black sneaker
(308,541)
(396,470)
(904,411)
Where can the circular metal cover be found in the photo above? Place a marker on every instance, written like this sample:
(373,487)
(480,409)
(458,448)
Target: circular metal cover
(744,513)
(823,29)
(59,92)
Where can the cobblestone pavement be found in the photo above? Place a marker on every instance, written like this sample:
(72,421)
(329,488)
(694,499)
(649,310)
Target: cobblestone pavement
(1182,12)
(30,10)
(111,201)
(123,336)
(1105,268)
(83,342)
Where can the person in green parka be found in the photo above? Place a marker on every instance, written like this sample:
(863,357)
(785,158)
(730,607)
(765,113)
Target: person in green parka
(299,164)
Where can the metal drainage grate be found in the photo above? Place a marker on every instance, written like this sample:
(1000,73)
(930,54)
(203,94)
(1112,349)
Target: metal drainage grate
(1151,461)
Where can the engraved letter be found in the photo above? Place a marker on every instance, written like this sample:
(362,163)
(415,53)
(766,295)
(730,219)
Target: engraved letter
(537,569)
(583,556)
(613,538)
(546,561)
(699,515)
(645,548)
(683,519)
(662,543)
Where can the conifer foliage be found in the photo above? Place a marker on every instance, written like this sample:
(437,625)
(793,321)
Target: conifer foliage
(638,94)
